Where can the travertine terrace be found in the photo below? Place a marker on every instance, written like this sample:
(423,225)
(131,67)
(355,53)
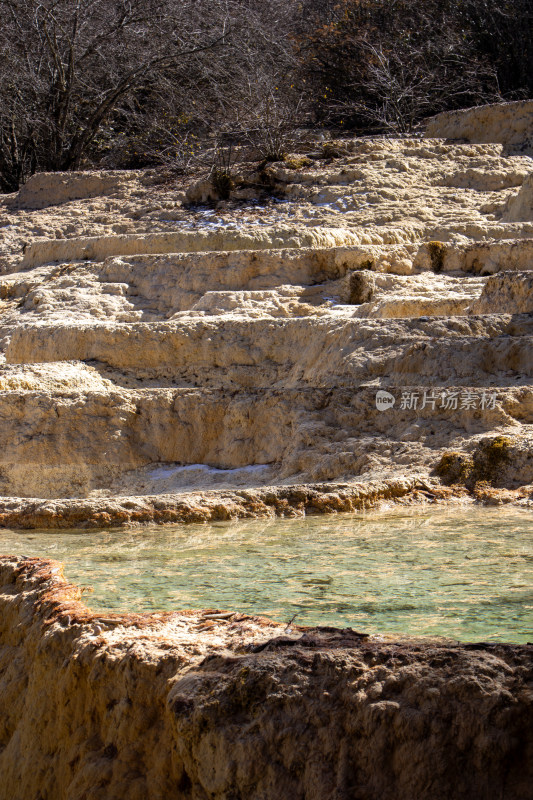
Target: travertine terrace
(164,360)
(208,705)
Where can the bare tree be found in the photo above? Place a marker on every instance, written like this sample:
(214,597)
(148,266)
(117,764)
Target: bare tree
(233,106)
(129,83)
(402,85)
(70,64)
(380,65)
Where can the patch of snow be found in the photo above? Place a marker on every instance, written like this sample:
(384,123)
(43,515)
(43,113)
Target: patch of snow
(162,472)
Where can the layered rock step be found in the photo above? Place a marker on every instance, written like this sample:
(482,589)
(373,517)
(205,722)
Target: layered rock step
(431,278)
(72,444)
(372,323)
(259,353)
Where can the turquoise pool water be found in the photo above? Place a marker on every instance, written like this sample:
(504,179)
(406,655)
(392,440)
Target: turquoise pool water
(465,573)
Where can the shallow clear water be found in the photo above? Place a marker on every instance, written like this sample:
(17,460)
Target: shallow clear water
(465,573)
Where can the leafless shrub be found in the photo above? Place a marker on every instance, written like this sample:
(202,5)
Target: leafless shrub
(402,86)
(273,125)
(76,72)
(382,66)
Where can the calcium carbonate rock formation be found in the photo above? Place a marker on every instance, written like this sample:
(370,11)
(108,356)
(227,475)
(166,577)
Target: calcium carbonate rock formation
(162,361)
(511,124)
(519,207)
(48,189)
(214,704)
(364,336)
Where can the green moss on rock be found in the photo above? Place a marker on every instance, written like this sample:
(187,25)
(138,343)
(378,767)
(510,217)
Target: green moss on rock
(297,162)
(361,287)
(222,183)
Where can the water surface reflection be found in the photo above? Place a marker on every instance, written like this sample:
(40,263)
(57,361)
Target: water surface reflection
(465,573)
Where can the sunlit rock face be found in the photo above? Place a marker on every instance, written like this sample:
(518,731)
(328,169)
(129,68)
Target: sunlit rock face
(218,704)
(140,334)
(510,124)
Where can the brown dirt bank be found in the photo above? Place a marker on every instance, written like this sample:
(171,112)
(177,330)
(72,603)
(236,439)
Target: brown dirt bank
(201,704)
(270,501)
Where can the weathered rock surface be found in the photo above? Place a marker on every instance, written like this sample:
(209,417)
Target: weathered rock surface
(211,704)
(150,350)
(513,291)
(507,123)
(225,504)
(519,207)
(45,188)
